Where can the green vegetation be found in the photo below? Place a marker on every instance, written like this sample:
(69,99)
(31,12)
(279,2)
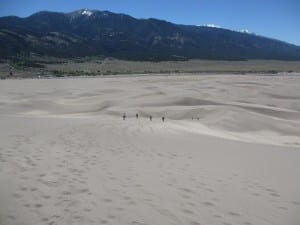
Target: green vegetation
(58,73)
(33,66)
(89,59)
(21,62)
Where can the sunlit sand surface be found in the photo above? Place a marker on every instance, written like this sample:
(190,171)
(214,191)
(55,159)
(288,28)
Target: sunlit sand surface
(68,157)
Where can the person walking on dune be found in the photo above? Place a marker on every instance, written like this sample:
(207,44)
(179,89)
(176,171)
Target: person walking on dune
(150,118)
(137,116)
(163,119)
(124,116)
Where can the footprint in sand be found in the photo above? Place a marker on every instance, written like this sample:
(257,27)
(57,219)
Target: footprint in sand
(208,204)
(33,189)
(52,223)
(295,203)
(187,211)
(194,223)
(217,216)
(2,160)
(107,200)
(185,196)
(255,194)
(191,204)
(186,190)
(17,195)
(11,217)
(87,210)
(272,192)
(235,214)
(104,221)
(66,193)
(27,205)
(275,194)
(111,217)
(209,190)
(24,178)
(46,196)
(131,202)
(202,184)
(138,223)
(84,190)
(127,197)
(38,205)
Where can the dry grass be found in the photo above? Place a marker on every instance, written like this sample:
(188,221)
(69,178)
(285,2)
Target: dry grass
(113,66)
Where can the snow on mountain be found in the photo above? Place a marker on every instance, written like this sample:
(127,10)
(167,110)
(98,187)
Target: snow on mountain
(86,12)
(246,31)
(211,25)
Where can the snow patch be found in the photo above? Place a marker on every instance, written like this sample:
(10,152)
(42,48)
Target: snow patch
(211,25)
(86,12)
(245,31)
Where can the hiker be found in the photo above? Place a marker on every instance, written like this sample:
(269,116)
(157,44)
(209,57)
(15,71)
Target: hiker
(124,116)
(137,116)
(163,119)
(150,118)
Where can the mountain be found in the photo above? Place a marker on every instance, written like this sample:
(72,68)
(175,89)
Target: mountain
(92,32)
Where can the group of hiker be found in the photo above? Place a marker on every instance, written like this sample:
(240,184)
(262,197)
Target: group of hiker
(150,117)
(137,116)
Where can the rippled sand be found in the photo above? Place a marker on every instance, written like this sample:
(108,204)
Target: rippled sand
(67,157)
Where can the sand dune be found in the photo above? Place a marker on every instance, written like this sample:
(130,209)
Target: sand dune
(67,157)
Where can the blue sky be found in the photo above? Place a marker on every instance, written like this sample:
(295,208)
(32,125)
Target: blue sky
(278,19)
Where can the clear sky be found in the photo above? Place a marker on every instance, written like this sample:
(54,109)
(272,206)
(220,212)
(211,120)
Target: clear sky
(278,19)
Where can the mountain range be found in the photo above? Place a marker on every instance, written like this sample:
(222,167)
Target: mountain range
(103,33)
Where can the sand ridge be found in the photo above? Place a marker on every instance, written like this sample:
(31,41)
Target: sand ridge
(254,108)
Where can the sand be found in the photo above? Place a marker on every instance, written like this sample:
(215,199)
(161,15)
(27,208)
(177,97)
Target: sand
(67,157)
